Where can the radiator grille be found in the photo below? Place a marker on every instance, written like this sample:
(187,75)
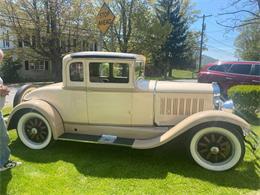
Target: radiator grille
(181,106)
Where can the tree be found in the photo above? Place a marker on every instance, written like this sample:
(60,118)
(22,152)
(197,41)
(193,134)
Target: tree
(9,68)
(242,13)
(172,52)
(248,42)
(136,29)
(49,28)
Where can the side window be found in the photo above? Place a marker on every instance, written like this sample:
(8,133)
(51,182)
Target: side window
(220,68)
(213,67)
(109,72)
(256,70)
(76,72)
(240,69)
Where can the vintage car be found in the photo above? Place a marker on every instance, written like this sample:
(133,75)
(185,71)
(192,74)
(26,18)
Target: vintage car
(105,99)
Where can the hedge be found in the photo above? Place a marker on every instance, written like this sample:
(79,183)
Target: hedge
(247,100)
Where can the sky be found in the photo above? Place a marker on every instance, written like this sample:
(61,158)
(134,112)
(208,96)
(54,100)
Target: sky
(220,40)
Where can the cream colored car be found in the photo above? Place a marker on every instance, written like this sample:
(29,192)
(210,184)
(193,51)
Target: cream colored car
(105,99)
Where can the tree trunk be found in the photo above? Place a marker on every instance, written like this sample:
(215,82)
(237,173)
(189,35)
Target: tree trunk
(170,71)
(57,69)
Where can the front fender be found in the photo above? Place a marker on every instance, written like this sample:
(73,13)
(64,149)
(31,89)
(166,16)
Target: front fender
(190,122)
(44,108)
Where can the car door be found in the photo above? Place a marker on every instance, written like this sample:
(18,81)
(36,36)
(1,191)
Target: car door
(256,74)
(109,93)
(238,74)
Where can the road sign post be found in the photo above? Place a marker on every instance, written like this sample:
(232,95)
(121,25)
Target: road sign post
(105,20)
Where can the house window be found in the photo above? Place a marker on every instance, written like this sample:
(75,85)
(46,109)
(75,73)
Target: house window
(109,72)
(20,43)
(76,72)
(7,41)
(36,66)
(26,41)
(26,65)
(33,41)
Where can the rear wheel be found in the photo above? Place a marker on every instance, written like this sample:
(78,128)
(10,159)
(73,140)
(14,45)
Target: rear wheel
(217,148)
(34,130)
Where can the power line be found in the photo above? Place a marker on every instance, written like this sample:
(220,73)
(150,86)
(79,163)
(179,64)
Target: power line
(222,50)
(218,41)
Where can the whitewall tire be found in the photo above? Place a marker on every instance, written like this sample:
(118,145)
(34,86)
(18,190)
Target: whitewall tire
(34,130)
(217,148)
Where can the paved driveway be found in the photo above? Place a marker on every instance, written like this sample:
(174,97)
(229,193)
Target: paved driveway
(10,97)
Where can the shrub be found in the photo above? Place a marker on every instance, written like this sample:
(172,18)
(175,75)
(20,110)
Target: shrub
(8,70)
(246,99)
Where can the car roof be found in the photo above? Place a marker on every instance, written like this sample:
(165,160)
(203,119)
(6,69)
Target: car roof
(98,54)
(233,62)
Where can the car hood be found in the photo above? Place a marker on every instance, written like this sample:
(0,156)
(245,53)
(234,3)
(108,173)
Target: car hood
(174,87)
(183,87)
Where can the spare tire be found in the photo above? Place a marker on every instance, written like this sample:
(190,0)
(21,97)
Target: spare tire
(21,92)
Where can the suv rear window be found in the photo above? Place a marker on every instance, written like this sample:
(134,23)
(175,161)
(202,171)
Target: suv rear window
(240,68)
(256,70)
(220,68)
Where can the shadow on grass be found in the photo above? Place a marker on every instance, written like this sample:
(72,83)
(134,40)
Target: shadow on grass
(5,177)
(119,162)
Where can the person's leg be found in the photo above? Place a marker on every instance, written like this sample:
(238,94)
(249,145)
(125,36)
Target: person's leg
(4,141)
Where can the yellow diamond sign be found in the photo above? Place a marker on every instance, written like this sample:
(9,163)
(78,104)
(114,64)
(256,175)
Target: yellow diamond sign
(105,18)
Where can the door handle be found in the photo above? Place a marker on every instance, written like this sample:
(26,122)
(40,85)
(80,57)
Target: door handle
(228,78)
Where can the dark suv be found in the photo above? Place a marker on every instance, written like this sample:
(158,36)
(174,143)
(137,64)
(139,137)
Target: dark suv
(228,74)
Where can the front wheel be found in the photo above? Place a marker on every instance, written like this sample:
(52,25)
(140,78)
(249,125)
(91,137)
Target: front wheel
(34,130)
(217,148)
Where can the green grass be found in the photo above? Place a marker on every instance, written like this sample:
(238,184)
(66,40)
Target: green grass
(78,168)
(177,74)
(183,74)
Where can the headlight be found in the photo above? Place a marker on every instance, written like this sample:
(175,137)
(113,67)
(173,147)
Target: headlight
(216,96)
(219,104)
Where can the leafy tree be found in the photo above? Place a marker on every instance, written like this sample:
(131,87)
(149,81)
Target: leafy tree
(170,12)
(48,28)
(248,42)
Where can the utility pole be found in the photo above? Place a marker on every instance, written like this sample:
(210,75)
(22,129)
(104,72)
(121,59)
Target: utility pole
(202,37)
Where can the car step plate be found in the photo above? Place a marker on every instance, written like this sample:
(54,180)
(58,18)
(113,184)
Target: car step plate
(103,139)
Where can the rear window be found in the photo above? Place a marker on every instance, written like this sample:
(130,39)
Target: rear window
(240,68)
(256,70)
(76,72)
(220,68)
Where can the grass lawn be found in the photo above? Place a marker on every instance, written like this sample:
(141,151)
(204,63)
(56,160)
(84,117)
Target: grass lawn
(78,168)
(177,74)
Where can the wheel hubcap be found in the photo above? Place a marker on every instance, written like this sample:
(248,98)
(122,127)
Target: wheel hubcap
(214,147)
(36,130)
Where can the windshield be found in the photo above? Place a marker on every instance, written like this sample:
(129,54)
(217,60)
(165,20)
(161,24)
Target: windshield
(139,69)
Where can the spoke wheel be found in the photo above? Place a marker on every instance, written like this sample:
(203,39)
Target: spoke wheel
(34,130)
(217,148)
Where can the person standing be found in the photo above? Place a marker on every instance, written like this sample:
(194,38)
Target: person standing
(5,163)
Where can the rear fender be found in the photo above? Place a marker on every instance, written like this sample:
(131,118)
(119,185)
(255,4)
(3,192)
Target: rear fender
(42,107)
(190,122)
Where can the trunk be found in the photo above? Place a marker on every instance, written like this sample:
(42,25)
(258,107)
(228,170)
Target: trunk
(57,69)
(170,72)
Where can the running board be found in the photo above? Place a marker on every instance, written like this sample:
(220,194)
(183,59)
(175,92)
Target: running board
(102,139)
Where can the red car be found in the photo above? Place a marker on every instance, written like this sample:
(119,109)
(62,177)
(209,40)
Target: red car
(228,74)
